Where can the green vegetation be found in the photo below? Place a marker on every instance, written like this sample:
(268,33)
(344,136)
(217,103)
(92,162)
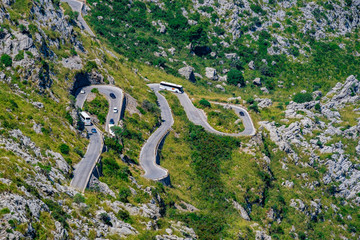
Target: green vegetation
(302,97)
(6,60)
(98,106)
(78,198)
(19,56)
(205,103)
(235,77)
(64,149)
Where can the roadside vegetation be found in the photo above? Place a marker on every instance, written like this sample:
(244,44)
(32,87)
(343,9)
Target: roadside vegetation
(98,105)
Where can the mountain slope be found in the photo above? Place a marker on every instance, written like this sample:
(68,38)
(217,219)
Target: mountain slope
(292,64)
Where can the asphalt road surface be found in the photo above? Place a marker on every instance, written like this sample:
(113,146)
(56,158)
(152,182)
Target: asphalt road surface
(198,117)
(84,168)
(148,152)
(77,6)
(104,90)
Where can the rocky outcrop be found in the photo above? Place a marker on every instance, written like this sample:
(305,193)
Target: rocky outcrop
(211,73)
(73,63)
(96,185)
(188,73)
(84,79)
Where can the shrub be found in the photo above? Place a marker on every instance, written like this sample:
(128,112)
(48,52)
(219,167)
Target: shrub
(22,28)
(205,103)
(106,219)
(57,212)
(318,107)
(235,77)
(123,215)
(19,56)
(95,90)
(113,143)
(302,97)
(254,107)
(90,65)
(73,52)
(150,107)
(78,198)
(64,149)
(276,25)
(32,28)
(257,9)
(69,118)
(6,60)
(124,193)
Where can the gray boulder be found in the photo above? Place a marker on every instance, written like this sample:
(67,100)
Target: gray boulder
(188,73)
(251,65)
(218,86)
(211,73)
(72,63)
(257,81)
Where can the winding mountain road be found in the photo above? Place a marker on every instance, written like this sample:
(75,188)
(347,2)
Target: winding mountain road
(77,6)
(148,155)
(84,168)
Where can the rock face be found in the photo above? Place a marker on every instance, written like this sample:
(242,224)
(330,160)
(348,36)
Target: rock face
(95,184)
(263,102)
(242,211)
(86,79)
(211,73)
(72,63)
(188,73)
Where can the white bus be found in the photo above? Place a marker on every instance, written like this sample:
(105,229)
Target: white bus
(85,118)
(171,87)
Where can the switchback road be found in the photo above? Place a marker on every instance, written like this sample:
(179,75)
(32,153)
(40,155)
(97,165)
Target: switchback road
(148,155)
(84,168)
(77,6)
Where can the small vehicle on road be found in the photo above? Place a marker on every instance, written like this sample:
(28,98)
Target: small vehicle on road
(241,113)
(112,121)
(112,96)
(115,110)
(82,91)
(93,130)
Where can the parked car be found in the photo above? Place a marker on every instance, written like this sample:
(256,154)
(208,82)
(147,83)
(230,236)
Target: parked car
(241,113)
(93,130)
(82,91)
(112,96)
(112,121)
(115,110)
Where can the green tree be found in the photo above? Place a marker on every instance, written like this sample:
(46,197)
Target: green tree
(302,97)
(6,60)
(124,193)
(205,103)
(64,149)
(235,77)
(78,198)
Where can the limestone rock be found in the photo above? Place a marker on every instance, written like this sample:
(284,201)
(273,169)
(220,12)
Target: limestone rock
(257,81)
(241,210)
(251,65)
(72,63)
(188,73)
(211,73)
(218,86)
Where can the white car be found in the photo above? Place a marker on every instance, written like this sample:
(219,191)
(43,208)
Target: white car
(115,110)
(82,92)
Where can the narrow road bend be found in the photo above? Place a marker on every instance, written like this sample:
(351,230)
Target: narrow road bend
(84,168)
(148,154)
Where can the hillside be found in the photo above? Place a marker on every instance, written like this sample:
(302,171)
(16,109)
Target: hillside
(292,64)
